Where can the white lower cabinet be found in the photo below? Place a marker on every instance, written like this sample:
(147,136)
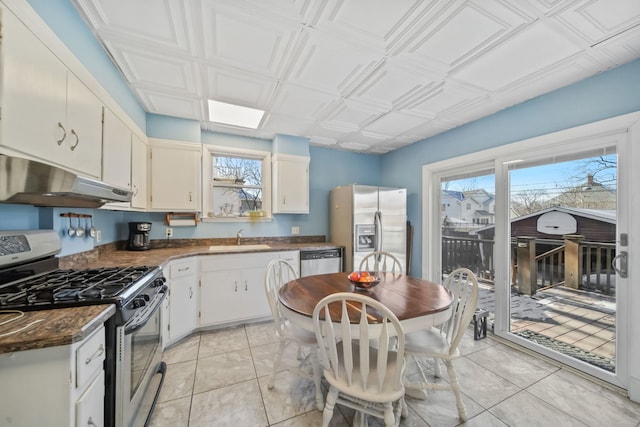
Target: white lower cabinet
(183,298)
(54,386)
(232,287)
(90,406)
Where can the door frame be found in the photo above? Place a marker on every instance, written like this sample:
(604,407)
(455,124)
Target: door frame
(624,131)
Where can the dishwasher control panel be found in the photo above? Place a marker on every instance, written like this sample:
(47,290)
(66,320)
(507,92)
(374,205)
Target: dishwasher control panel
(320,261)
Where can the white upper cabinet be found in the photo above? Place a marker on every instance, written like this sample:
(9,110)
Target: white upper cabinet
(139,162)
(175,175)
(116,151)
(47,113)
(290,184)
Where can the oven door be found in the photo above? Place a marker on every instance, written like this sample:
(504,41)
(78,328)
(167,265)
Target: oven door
(139,360)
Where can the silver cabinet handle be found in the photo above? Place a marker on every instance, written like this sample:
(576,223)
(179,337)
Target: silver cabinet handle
(190,292)
(135,190)
(64,133)
(245,285)
(183,269)
(73,132)
(190,196)
(99,352)
(91,423)
(236,286)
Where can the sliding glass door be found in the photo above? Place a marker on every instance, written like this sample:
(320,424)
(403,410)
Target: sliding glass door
(542,229)
(563,215)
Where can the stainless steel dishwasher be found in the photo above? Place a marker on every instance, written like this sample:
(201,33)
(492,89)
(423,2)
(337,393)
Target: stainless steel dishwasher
(320,261)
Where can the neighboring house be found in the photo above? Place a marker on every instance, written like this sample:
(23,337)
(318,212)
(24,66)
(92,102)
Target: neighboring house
(463,211)
(589,195)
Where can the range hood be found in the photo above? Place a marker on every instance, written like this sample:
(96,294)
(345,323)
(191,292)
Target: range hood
(25,181)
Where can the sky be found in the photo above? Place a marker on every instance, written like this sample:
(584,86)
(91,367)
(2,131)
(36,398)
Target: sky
(551,178)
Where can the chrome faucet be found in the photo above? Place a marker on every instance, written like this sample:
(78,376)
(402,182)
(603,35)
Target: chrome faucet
(238,236)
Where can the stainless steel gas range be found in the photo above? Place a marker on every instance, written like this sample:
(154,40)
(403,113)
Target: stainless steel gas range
(31,280)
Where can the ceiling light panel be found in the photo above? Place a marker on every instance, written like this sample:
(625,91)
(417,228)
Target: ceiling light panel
(235,115)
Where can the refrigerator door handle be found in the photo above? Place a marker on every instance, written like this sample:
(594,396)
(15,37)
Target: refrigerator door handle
(378,227)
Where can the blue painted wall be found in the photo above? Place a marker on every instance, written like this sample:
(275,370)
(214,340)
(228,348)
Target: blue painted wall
(606,95)
(327,169)
(167,127)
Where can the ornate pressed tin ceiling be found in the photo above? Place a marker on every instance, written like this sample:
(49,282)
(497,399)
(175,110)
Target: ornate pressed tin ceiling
(361,75)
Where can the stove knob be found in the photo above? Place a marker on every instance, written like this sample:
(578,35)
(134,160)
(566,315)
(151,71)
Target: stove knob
(159,281)
(140,301)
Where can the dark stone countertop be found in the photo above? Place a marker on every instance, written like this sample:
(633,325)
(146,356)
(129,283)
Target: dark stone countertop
(67,325)
(118,256)
(55,327)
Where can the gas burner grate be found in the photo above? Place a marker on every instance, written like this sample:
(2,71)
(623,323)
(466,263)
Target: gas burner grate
(69,286)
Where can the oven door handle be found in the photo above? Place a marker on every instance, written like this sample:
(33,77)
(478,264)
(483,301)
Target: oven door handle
(132,327)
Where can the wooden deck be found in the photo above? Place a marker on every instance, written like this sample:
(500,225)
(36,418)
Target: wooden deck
(583,320)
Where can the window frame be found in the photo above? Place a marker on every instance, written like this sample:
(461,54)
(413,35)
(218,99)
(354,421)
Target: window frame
(210,151)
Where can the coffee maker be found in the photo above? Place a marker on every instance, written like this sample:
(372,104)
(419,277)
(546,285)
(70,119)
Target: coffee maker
(139,236)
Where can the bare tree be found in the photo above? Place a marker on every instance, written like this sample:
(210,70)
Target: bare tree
(601,169)
(247,172)
(528,201)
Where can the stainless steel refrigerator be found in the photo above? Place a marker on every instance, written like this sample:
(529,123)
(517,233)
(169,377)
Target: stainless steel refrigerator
(366,218)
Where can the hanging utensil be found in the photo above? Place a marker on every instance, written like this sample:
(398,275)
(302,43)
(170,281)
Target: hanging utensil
(80,229)
(72,230)
(91,231)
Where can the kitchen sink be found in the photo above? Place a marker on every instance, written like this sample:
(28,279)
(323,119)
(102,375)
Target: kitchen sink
(237,248)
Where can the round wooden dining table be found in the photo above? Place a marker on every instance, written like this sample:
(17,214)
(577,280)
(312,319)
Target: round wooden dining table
(417,303)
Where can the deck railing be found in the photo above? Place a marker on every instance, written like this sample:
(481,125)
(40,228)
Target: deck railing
(550,267)
(572,263)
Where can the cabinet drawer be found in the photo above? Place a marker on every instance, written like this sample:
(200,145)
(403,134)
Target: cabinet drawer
(89,357)
(182,268)
(90,406)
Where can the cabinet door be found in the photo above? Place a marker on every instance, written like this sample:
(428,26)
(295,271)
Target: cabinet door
(84,128)
(175,178)
(220,296)
(183,307)
(255,303)
(116,151)
(291,185)
(90,406)
(34,90)
(139,158)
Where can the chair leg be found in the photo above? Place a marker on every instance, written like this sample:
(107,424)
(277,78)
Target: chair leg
(436,368)
(276,364)
(404,409)
(327,414)
(389,418)
(315,368)
(455,386)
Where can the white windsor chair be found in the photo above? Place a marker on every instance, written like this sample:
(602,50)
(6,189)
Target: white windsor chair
(362,362)
(380,261)
(441,343)
(278,273)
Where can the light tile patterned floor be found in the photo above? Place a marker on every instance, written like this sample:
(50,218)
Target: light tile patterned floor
(219,378)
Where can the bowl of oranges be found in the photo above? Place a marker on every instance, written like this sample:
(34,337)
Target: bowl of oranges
(363,280)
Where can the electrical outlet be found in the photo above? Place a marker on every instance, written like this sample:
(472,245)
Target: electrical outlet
(98,236)
(169,231)
(295,230)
